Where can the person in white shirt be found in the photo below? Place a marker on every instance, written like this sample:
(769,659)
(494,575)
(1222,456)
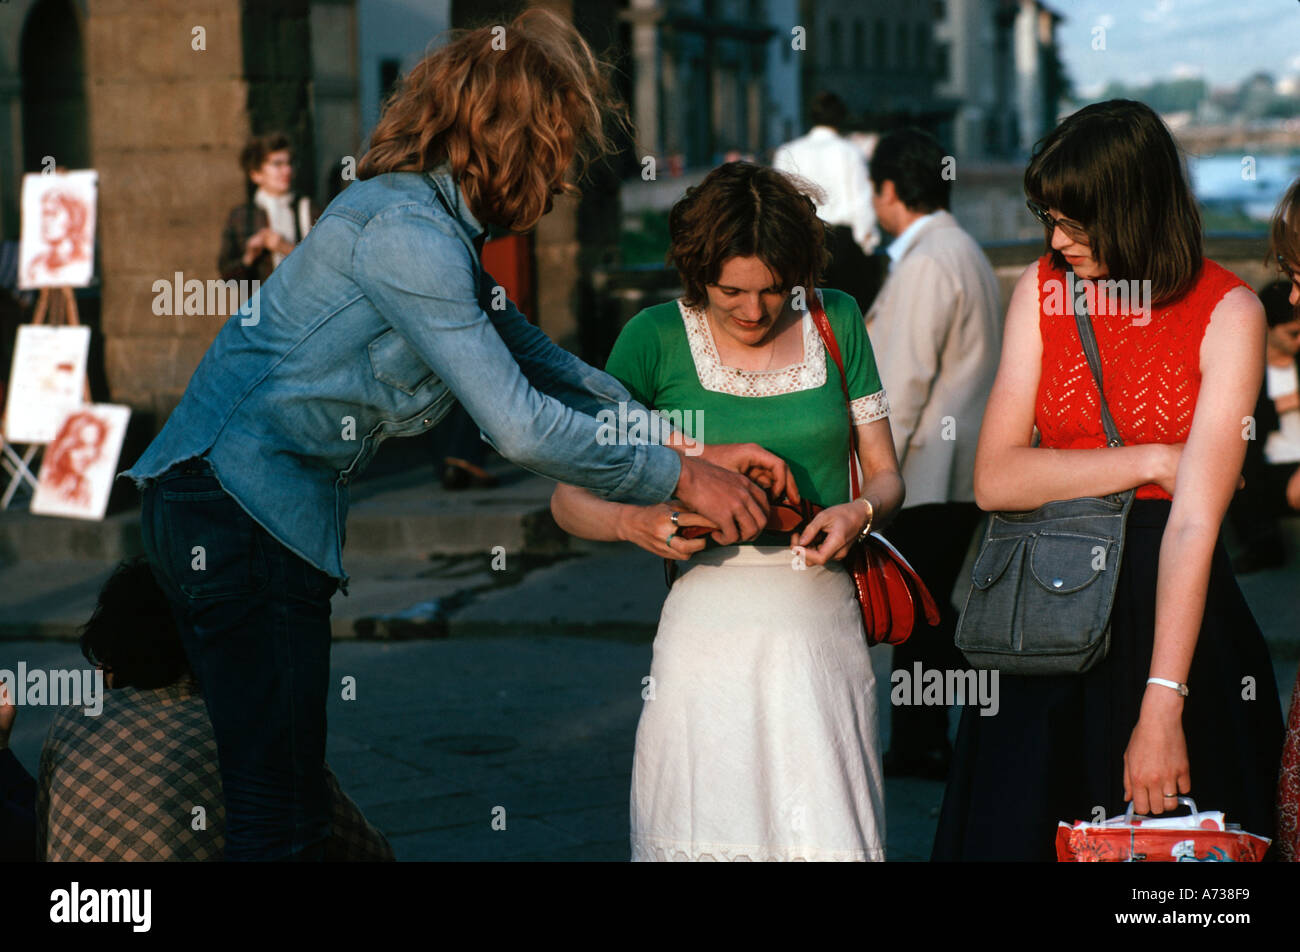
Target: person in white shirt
(936,330)
(837,167)
(1272,468)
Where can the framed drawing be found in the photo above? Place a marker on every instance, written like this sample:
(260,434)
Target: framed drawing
(56,246)
(77,471)
(46,380)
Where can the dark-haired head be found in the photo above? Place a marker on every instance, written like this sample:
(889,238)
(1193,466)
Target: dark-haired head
(828,109)
(132,633)
(1113,168)
(743,210)
(913,160)
(1284,231)
(256,151)
(1278,309)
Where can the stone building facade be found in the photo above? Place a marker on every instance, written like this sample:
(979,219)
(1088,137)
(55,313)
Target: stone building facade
(159,97)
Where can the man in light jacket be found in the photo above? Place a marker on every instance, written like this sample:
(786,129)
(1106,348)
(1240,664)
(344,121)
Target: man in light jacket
(836,166)
(936,330)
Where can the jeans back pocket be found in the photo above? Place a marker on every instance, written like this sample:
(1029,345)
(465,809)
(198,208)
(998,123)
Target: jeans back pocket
(214,548)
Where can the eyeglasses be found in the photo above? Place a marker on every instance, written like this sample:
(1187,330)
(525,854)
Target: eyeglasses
(1073,230)
(1287,270)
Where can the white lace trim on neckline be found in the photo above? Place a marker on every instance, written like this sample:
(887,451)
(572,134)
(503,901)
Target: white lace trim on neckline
(808,374)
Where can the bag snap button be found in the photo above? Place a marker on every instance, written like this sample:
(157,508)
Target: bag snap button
(1057,582)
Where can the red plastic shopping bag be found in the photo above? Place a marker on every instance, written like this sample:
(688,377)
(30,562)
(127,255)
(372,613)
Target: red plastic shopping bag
(1201,837)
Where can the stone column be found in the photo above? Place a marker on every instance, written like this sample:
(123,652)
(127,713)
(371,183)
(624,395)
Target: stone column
(167,121)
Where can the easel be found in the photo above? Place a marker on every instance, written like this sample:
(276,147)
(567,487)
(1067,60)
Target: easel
(59,305)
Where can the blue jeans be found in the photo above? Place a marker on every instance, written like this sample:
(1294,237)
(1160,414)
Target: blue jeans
(254,620)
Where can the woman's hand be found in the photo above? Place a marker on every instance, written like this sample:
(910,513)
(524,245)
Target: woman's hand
(274,241)
(650,528)
(254,247)
(1293,490)
(1165,466)
(841,523)
(1167,456)
(1155,763)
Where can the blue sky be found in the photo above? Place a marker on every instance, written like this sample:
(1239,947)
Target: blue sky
(1223,41)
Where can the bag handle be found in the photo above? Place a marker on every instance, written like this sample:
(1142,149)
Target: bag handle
(1182,801)
(833,348)
(1090,352)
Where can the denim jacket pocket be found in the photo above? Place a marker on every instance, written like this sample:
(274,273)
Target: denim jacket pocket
(395,363)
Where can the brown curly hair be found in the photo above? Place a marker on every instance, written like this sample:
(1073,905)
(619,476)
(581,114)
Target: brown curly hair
(746,210)
(510,108)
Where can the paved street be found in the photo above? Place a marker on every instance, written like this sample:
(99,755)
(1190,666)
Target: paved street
(442,732)
(475,688)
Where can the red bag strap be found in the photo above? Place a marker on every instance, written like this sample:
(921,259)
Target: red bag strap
(833,348)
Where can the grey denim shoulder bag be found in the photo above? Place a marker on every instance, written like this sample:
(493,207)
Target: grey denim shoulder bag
(1044,581)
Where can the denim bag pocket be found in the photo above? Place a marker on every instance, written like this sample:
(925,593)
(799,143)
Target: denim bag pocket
(1043,587)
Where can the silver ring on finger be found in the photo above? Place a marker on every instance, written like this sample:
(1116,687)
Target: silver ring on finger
(674,515)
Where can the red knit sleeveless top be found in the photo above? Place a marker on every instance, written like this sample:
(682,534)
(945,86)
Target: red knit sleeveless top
(1151,365)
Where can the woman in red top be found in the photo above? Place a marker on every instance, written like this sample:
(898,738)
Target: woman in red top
(1182,362)
(1285,248)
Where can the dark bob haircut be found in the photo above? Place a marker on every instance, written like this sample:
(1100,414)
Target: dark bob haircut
(255,152)
(1284,233)
(132,632)
(743,210)
(1114,168)
(1276,298)
(913,160)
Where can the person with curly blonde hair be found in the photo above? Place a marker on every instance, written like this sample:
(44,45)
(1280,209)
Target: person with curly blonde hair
(371,327)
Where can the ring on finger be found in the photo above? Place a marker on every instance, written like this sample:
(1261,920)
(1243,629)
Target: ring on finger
(674,516)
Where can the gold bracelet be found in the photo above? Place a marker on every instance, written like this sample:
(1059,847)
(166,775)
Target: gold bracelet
(871,517)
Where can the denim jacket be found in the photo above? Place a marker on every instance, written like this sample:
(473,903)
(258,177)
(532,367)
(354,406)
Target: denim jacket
(378,320)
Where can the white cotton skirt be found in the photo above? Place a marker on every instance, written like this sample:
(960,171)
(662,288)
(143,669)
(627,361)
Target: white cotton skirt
(758,737)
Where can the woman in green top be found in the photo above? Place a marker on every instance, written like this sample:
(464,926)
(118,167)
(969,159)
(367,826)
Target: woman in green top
(758,737)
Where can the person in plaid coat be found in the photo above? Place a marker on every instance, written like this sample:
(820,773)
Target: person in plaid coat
(140,781)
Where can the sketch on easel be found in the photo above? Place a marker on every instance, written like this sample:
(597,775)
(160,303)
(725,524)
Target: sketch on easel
(56,247)
(77,471)
(47,379)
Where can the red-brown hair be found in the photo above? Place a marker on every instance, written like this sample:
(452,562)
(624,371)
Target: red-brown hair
(509,108)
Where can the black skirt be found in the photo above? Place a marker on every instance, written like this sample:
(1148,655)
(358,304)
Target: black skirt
(1055,749)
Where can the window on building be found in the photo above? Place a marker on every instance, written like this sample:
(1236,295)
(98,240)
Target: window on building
(921,56)
(859,44)
(942,64)
(390,70)
(880,59)
(836,44)
(901,57)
